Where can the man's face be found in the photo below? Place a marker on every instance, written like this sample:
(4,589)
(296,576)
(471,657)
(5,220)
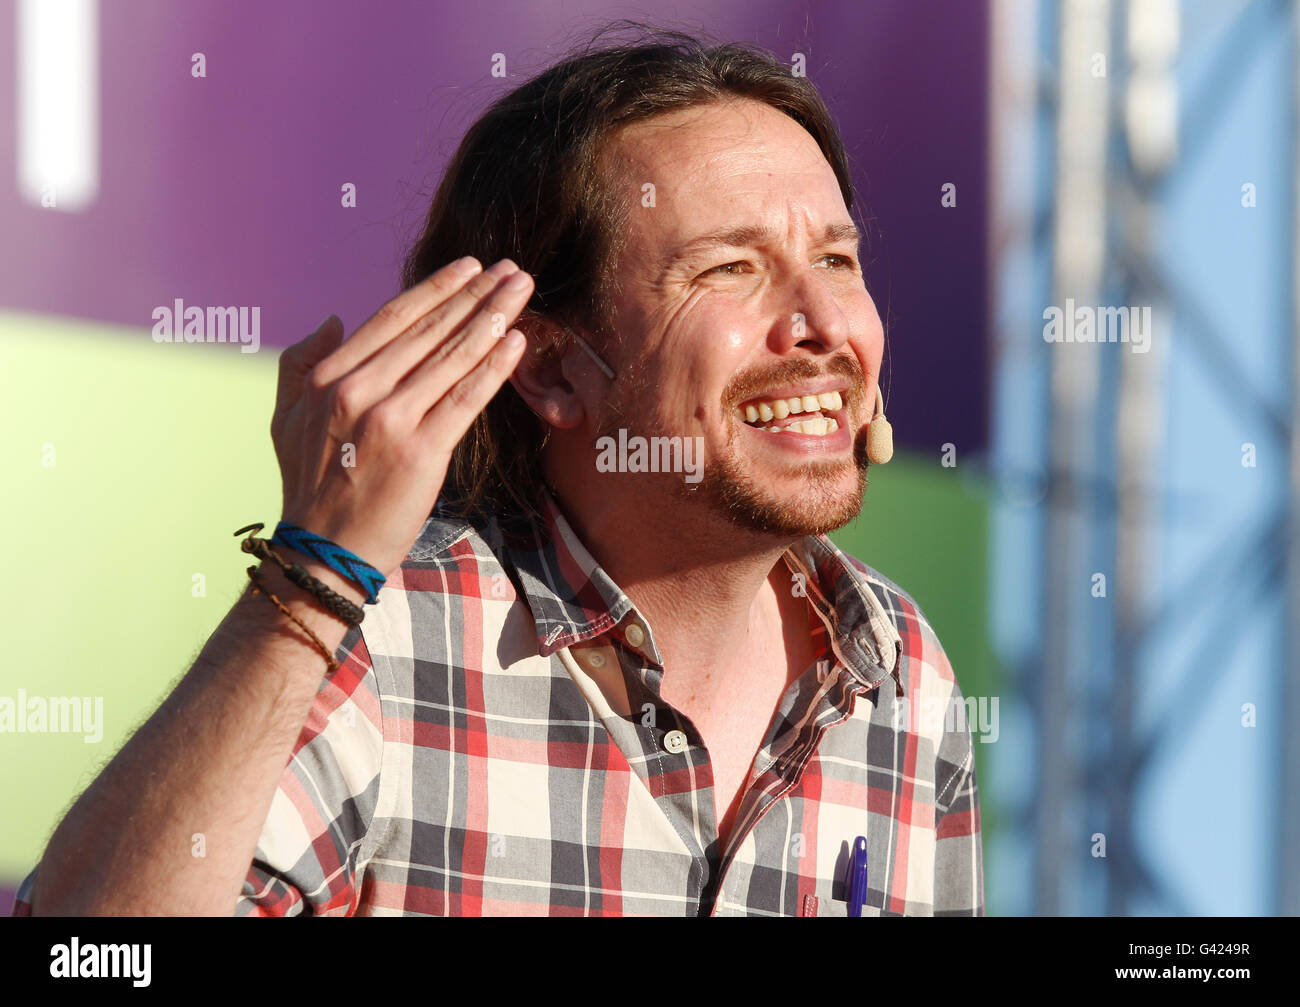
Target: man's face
(772,318)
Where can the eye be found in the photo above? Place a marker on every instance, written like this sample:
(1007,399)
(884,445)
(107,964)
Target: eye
(724,269)
(844,262)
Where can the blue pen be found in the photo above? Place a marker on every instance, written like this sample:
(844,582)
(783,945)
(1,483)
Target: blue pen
(857,880)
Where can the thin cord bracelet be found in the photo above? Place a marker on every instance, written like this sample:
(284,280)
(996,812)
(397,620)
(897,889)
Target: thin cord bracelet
(260,588)
(334,556)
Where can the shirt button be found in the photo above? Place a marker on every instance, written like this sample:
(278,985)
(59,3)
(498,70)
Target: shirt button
(596,659)
(675,741)
(635,635)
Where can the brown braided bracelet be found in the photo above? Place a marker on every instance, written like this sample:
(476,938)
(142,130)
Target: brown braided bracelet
(330,600)
(260,588)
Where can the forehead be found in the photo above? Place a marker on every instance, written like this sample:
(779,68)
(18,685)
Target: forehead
(711,163)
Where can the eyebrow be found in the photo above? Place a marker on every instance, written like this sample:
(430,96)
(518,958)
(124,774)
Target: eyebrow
(749,235)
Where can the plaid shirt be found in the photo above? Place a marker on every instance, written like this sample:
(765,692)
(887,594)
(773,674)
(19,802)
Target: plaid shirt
(495,743)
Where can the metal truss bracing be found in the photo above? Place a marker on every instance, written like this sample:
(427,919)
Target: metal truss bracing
(1120,128)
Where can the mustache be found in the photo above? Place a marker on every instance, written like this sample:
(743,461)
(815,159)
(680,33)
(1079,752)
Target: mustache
(751,384)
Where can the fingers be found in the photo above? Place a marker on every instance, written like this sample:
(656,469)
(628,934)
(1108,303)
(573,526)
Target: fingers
(394,317)
(297,360)
(445,424)
(433,334)
(463,351)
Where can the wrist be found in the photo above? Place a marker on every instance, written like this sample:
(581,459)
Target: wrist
(323,631)
(331,578)
(348,565)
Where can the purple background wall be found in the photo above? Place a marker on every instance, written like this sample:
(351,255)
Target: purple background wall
(225,190)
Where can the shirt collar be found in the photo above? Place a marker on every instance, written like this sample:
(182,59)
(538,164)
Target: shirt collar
(572,599)
(862,631)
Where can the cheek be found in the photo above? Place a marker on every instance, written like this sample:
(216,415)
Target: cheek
(868,338)
(705,342)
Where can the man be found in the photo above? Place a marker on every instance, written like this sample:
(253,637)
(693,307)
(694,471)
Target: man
(590,686)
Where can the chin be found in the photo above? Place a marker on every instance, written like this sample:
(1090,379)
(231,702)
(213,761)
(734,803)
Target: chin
(819,498)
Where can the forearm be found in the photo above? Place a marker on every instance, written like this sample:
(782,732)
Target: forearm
(200,775)
(402,393)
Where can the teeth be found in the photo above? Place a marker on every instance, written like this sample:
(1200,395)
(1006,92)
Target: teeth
(817,426)
(764,412)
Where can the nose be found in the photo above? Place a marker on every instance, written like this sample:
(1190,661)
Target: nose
(811,318)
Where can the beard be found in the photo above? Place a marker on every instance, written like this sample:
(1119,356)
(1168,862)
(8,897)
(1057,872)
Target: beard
(822,504)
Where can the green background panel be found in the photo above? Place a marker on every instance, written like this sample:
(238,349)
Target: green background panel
(162,451)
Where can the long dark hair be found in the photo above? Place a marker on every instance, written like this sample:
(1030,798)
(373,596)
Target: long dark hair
(527,183)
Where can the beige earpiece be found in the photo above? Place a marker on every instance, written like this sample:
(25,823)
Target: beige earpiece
(880,435)
(599,361)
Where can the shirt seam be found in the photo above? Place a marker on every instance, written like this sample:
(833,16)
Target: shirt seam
(423,552)
(960,772)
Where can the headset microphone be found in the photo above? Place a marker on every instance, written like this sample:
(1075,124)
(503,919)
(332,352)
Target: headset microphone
(880,435)
(605,369)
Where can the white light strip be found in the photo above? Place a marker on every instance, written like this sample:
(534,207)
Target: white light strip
(58,102)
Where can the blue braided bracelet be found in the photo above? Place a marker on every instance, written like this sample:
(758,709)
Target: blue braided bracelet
(338,559)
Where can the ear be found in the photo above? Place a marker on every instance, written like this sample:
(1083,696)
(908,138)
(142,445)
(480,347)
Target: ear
(540,377)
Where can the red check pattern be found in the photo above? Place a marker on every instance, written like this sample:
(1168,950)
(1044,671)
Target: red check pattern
(494,744)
